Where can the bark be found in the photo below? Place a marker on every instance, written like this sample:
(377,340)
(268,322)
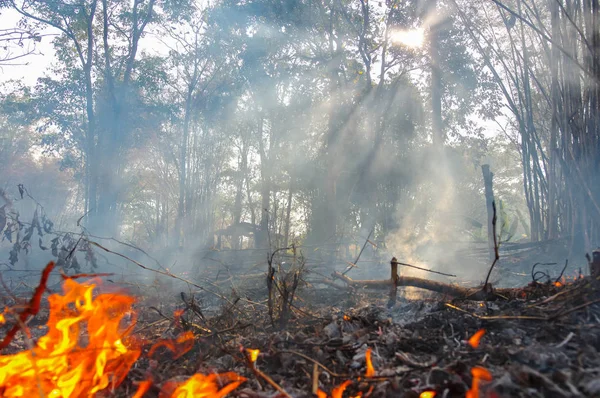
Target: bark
(488,177)
(262,240)
(288,211)
(555,98)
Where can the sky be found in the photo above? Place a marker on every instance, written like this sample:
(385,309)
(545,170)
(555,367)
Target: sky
(30,68)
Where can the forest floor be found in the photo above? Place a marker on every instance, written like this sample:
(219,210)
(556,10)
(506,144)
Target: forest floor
(546,344)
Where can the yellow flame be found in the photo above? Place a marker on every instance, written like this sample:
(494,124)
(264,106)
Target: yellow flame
(199,386)
(61,364)
(253,354)
(427,394)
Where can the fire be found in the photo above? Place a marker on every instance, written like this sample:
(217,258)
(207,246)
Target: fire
(347,317)
(476,338)
(252,354)
(89,347)
(478,374)
(427,394)
(370,372)
(557,284)
(199,386)
(336,392)
(182,344)
(83,352)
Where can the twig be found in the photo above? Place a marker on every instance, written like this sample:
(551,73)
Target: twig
(32,308)
(565,341)
(563,270)
(574,309)
(496,254)
(165,273)
(533,274)
(359,253)
(264,376)
(424,269)
(497,317)
(314,361)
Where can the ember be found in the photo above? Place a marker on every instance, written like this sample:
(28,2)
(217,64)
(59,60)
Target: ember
(427,394)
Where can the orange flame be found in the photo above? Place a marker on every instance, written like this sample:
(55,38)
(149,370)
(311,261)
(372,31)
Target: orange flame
(370,372)
(476,338)
(199,386)
(557,284)
(88,347)
(143,388)
(478,374)
(182,344)
(427,394)
(347,317)
(62,363)
(336,392)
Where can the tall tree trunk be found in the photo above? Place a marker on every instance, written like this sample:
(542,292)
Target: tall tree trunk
(288,212)
(262,237)
(555,98)
(178,238)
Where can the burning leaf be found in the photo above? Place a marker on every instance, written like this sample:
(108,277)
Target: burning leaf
(427,394)
(199,386)
(370,372)
(476,338)
(62,363)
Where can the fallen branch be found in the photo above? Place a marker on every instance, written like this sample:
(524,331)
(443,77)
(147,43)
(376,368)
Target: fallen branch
(444,288)
(468,293)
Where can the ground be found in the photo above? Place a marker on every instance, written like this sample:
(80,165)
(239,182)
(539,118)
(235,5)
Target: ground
(543,343)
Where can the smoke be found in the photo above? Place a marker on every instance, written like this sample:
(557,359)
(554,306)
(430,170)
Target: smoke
(431,231)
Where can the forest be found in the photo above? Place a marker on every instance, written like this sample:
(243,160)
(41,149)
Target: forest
(232,177)
(186,125)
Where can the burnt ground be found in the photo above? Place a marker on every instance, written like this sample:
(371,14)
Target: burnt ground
(544,344)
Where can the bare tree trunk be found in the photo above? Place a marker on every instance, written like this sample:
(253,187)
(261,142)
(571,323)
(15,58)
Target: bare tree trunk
(288,212)
(262,240)
(555,98)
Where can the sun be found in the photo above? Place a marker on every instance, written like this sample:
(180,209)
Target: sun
(412,38)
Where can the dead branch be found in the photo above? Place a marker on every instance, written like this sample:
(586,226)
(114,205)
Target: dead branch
(439,287)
